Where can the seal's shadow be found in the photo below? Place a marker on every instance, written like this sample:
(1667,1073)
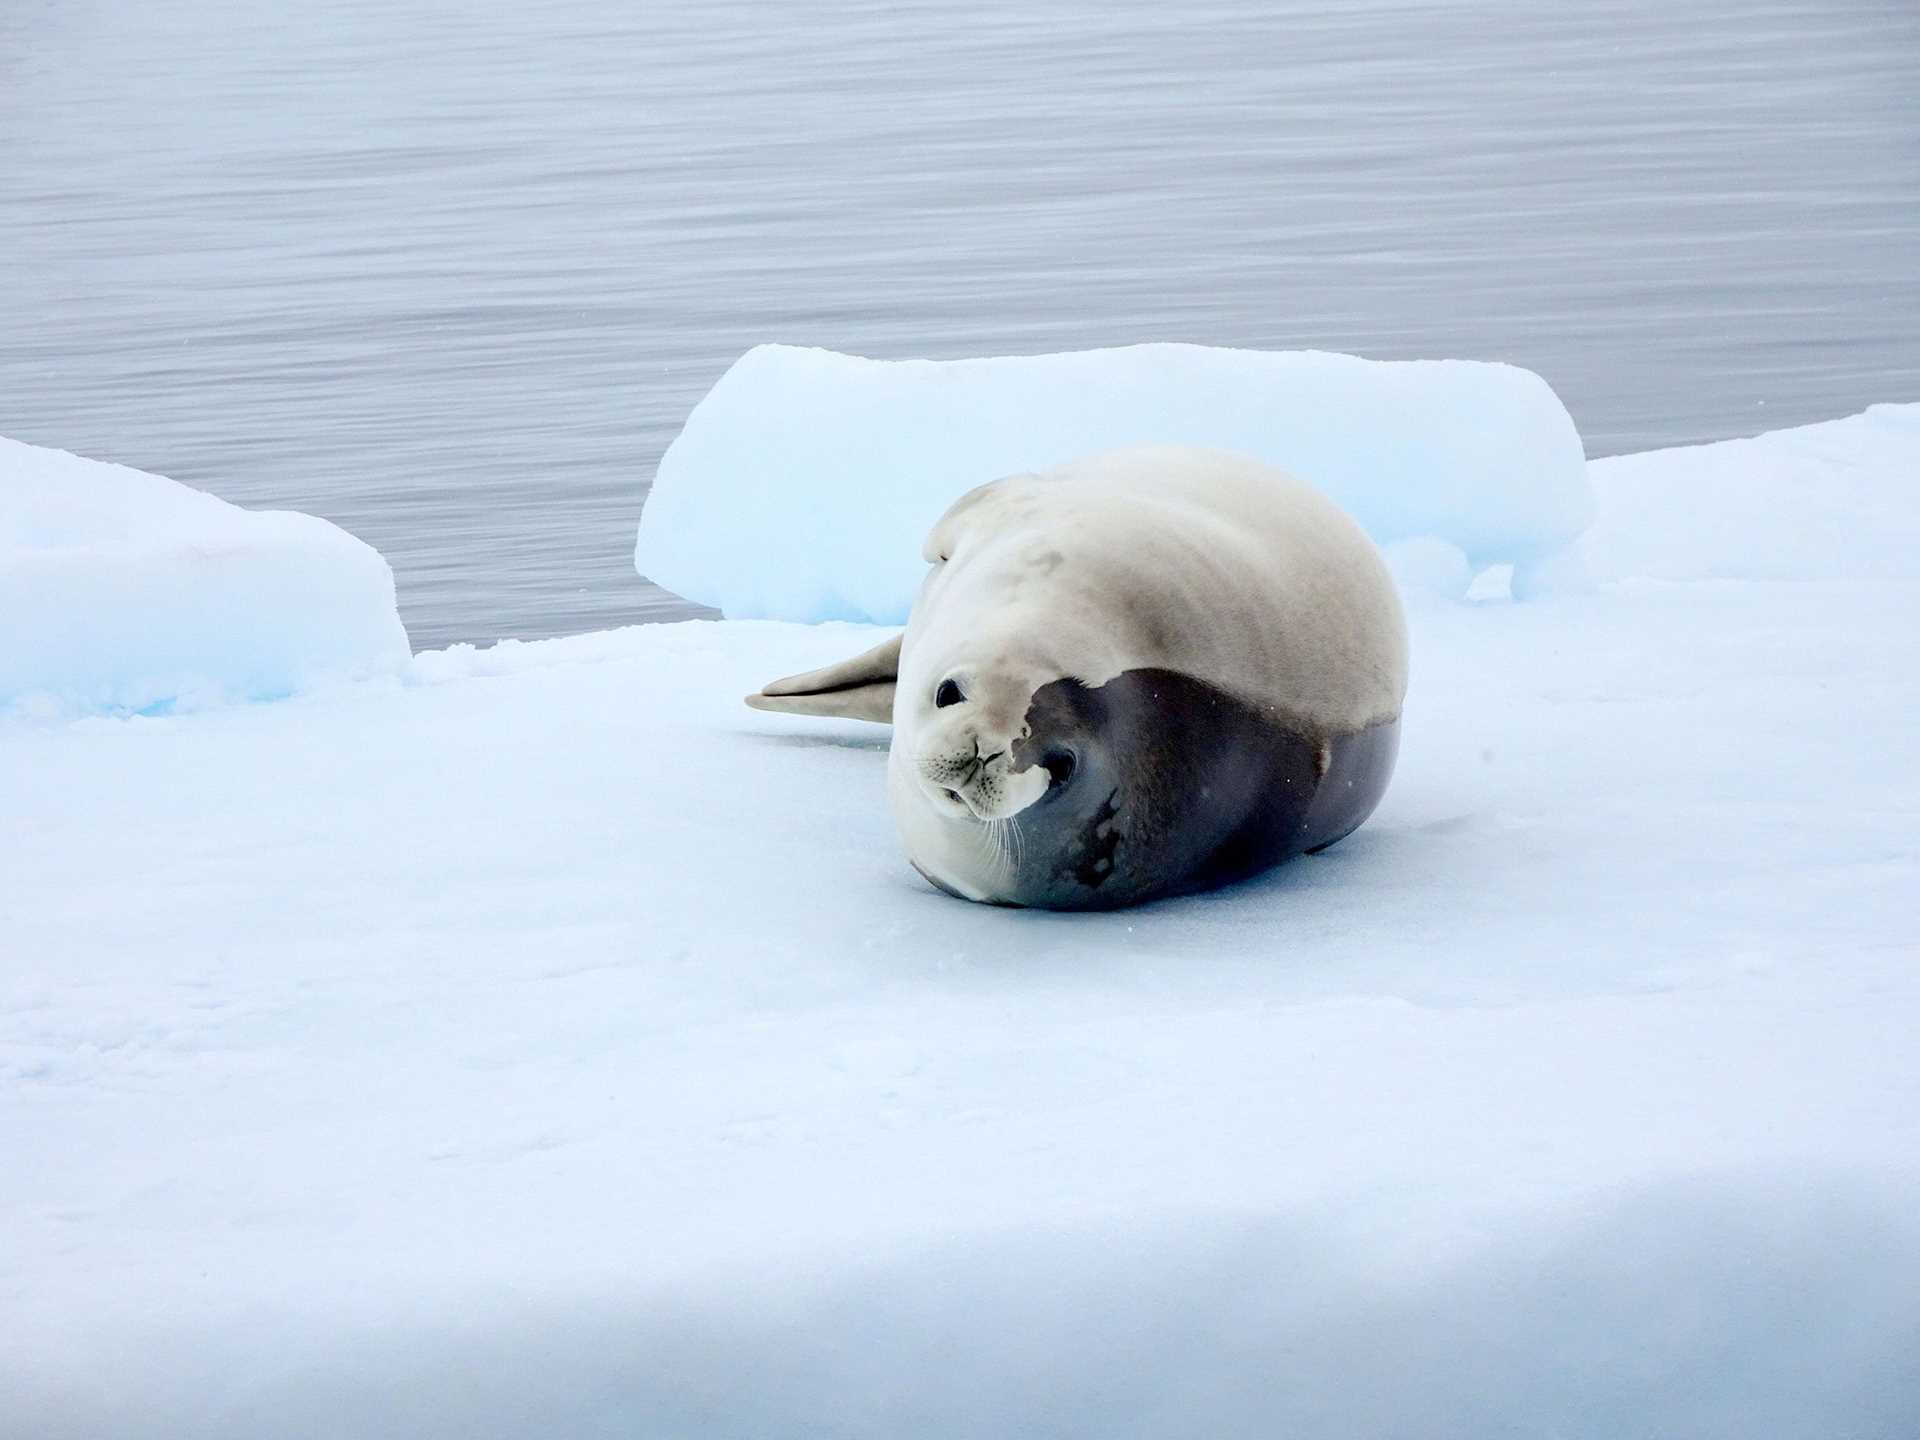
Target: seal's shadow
(788,740)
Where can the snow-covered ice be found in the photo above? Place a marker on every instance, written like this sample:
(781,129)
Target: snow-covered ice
(544,1043)
(805,480)
(125,591)
(1839,501)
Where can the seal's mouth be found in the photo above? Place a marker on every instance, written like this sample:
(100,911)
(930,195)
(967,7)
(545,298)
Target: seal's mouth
(966,797)
(982,787)
(967,806)
(961,783)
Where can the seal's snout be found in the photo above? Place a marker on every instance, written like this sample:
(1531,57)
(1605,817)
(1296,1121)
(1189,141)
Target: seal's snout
(978,781)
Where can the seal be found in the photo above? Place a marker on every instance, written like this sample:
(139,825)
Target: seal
(1141,674)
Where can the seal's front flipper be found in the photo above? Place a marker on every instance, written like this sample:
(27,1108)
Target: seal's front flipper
(856,689)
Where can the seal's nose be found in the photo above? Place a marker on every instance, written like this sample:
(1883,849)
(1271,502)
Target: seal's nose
(977,763)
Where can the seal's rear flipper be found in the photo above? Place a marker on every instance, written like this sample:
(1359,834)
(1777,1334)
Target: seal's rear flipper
(856,689)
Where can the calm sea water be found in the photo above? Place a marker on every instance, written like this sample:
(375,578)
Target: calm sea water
(452,274)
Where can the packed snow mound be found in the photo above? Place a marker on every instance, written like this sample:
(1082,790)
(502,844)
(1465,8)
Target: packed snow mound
(805,480)
(1834,501)
(125,591)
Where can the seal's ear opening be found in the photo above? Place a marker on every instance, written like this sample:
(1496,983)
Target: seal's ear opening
(857,689)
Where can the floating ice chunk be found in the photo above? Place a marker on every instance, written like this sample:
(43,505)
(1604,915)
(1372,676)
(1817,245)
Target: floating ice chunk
(125,591)
(803,483)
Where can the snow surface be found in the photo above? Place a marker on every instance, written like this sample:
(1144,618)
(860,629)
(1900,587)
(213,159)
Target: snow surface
(1839,501)
(804,482)
(125,591)
(546,1044)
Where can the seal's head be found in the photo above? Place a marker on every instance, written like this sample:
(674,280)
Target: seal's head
(1017,784)
(971,751)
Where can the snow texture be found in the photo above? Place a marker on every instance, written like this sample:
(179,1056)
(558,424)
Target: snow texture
(544,1043)
(124,591)
(804,482)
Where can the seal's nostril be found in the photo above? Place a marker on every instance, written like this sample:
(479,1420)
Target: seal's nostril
(949,693)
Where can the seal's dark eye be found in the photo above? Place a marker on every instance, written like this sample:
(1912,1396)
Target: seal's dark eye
(948,694)
(1059,766)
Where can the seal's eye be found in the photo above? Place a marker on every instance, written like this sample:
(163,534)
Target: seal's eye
(1058,765)
(948,694)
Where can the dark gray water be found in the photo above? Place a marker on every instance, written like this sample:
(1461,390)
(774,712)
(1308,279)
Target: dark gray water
(452,274)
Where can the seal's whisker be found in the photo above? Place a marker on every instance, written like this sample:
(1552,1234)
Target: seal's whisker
(1005,838)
